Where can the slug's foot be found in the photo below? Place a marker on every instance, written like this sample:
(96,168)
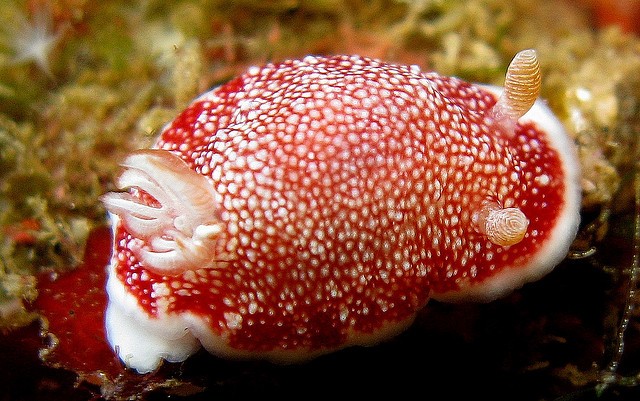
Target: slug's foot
(178,229)
(142,342)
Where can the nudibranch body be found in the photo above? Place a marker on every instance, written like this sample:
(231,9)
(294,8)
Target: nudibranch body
(311,205)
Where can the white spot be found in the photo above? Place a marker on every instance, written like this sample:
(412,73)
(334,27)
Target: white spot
(543,179)
(234,320)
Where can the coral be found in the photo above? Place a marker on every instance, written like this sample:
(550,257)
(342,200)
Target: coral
(34,40)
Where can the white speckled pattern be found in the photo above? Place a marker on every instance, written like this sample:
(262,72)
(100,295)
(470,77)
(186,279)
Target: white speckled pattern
(343,197)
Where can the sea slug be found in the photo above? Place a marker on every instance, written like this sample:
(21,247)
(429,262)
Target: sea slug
(319,203)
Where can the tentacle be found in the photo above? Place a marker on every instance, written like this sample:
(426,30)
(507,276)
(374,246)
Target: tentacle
(521,89)
(502,226)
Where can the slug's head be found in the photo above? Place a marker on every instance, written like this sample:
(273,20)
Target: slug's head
(505,226)
(528,219)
